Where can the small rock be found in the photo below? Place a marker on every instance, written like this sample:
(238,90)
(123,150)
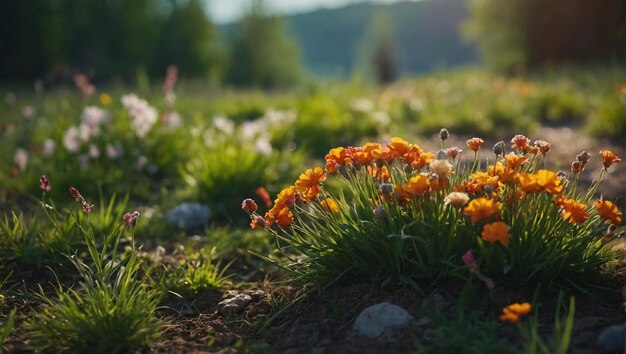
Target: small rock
(256,294)
(189,216)
(613,338)
(234,304)
(381,321)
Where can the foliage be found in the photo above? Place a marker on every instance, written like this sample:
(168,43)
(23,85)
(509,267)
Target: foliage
(406,215)
(105,38)
(110,311)
(203,273)
(513,33)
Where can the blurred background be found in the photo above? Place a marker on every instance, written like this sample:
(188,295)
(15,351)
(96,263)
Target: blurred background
(278,43)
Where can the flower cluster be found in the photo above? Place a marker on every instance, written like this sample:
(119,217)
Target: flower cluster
(144,116)
(481,196)
(511,212)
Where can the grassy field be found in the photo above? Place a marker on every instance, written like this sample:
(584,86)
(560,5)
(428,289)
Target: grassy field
(356,196)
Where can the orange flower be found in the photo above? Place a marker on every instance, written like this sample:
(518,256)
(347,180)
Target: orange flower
(416,186)
(520,142)
(482,209)
(545,180)
(506,174)
(513,161)
(573,211)
(398,147)
(383,154)
(514,312)
(264,195)
(335,158)
(284,217)
(381,174)
(609,158)
(330,204)
(496,231)
(608,211)
(549,181)
(308,182)
(474,144)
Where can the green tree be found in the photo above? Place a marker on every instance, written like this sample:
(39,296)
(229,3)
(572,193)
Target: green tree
(263,54)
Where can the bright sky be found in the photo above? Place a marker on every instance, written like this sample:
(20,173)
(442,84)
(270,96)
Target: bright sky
(223,11)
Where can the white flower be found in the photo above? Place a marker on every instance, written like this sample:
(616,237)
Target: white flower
(94,152)
(114,151)
(173,120)
(381,117)
(93,116)
(363,105)
(21,159)
(440,167)
(71,140)
(28,112)
(144,115)
(48,147)
(263,146)
(456,199)
(224,124)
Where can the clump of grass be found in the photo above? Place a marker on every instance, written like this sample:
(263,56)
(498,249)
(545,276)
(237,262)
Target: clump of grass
(110,310)
(203,273)
(405,215)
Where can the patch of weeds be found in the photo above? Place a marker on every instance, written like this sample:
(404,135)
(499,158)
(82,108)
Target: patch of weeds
(203,271)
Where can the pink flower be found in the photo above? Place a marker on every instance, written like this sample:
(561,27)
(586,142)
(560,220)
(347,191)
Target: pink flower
(44,184)
(130,219)
(470,261)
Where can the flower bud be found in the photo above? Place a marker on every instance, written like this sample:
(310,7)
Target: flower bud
(470,261)
(443,134)
(44,184)
(498,149)
(583,157)
(249,206)
(561,174)
(441,155)
(379,212)
(386,188)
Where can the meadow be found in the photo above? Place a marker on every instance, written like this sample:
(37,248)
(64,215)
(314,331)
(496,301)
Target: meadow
(173,217)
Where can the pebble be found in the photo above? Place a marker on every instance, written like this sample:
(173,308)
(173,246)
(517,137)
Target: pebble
(612,339)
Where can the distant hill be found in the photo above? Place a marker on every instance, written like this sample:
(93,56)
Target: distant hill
(426,36)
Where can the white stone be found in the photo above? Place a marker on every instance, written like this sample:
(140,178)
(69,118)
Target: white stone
(380,321)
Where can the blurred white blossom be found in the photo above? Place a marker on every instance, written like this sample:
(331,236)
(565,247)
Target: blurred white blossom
(21,159)
(223,124)
(48,147)
(71,139)
(144,115)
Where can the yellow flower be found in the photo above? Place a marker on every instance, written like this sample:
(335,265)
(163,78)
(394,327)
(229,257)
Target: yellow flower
(330,204)
(482,209)
(496,231)
(514,312)
(105,99)
(608,211)
(573,211)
